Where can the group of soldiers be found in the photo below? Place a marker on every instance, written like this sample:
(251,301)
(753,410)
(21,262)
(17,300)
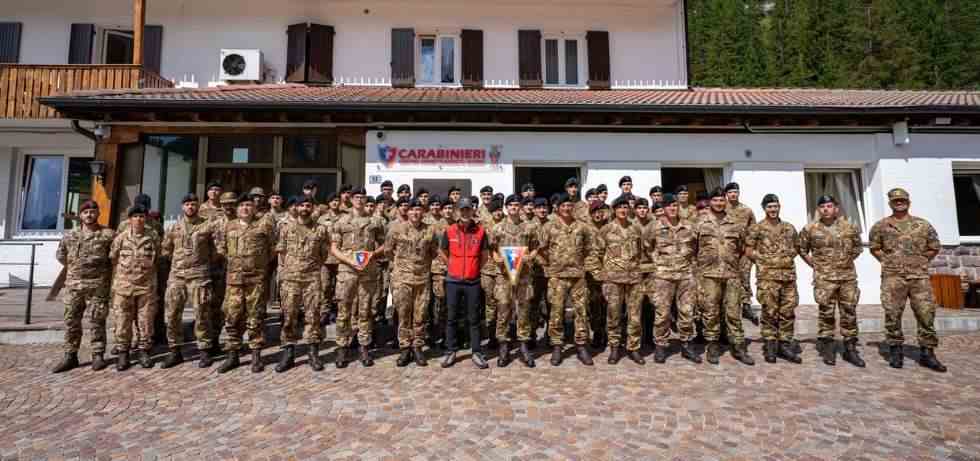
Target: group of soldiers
(601,263)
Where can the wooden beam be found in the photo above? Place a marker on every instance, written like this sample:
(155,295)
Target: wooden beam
(103,191)
(139,21)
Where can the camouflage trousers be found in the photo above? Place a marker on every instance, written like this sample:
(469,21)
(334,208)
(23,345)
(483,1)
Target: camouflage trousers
(217,305)
(244,310)
(574,289)
(411,301)
(489,282)
(721,299)
(896,290)
(666,293)
(76,300)
(779,300)
(355,295)
(842,296)
(437,315)
(299,298)
(539,312)
(597,305)
(617,295)
(134,309)
(745,270)
(379,302)
(199,294)
(513,305)
(328,285)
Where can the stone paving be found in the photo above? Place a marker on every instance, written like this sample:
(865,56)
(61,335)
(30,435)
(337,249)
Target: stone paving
(674,411)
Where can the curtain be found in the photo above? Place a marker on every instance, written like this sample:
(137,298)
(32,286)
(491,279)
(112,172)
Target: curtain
(713,177)
(976,185)
(841,185)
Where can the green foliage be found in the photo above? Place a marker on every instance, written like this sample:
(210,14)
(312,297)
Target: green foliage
(889,44)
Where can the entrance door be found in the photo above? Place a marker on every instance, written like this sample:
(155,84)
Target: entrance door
(547,180)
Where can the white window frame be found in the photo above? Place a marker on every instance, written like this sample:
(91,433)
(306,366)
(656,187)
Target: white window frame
(582,64)
(457,59)
(857,182)
(102,36)
(965,170)
(21,194)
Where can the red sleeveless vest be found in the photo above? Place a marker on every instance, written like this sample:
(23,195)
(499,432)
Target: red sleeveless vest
(464,252)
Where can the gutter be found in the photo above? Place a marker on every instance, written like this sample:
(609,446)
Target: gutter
(82,131)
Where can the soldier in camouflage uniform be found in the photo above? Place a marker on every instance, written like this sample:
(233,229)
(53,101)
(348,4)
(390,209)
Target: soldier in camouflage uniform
(490,275)
(84,251)
(356,280)
(134,287)
(564,243)
(772,245)
(642,218)
(594,275)
(743,215)
(905,244)
(212,206)
(229,203)
(580,208)
(302,246)
(830,246)
(540,313)
(189,245)
(410,246)
(437,320)
(247,245)
(620,246)
(328,273)
(685,210)
(721,243)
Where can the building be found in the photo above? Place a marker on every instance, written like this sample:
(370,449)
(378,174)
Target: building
(438,93)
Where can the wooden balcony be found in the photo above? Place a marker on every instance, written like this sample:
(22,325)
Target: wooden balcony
(22,84)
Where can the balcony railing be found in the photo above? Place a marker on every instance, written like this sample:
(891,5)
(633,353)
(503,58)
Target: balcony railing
(22,84)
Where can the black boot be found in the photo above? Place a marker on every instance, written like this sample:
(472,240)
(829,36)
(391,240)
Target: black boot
(419,357)
(713,352)
(404,358)
(688,353)
(769,351)
(341,361)
(231,362)
(449,360)
(584,356)
(556,356)
(660,354)
(851,353)
(314,357)
(98,362)
(828,351)
(206,360)
(748,313)
(741,353)
(287,359)
(638,359)
(366,359)
(257,365)
(526,356)
(145,360)
(895,356)
(615,354)
(69,362)
(173,359)
(787,352)
(927,358)
(503,354)
(122,361)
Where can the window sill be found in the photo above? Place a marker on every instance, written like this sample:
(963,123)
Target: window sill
(39,236)
(565,87)
(970,239)
(438,85)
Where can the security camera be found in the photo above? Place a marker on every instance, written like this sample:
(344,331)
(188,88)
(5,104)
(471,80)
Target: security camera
(381,135)
(101,132)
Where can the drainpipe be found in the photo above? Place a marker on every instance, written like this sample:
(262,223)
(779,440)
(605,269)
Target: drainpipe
(82,131)
(687,46)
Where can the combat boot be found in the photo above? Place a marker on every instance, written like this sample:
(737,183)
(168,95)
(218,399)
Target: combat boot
(286,359)
(526,356)
(122,361)
(173,359)
(366,359)
(206,360)
(638,359)
(145,360)
(927,358)
(555,356)
(257,365)
(895,356)
(341,360)
(230,363)
(449,360)
(740,352)
(314,357)
(69,362)
(404,358)
(98,362)
(828,351)
(419,357)
(688,353)
(660,354)
(713,352)
(479,361)
(615,354)
(787,352)
(503,354)
(584,356)
(748,313)
(851,353)
(769,351)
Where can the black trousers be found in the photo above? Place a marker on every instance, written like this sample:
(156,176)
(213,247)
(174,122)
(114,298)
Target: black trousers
(470,294)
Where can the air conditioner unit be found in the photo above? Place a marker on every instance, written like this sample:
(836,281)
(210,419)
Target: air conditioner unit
(241,65)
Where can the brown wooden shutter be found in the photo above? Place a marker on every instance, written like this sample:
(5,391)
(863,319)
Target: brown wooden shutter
(529,57)
(472,57)
(80,44)
(402,57)
(320,54)
(10,42)
(598,48)
(152,48)
(296,52)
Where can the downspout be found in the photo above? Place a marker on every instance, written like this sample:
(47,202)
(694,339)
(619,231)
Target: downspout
(687,46)
(82,131)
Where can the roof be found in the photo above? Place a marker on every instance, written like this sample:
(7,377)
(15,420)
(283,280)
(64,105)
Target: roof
(342,97)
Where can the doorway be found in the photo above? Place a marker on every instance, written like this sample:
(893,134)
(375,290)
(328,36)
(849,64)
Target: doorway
(697,180)
(547,180)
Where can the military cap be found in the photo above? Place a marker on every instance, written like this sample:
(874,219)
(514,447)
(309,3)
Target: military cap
(642,202)
(332,196)
(244,198)
(540,201)
(573,181)
(669,198)
(189,198)
(601,188)
(256,191)
(421,191)
(136,209)
(527,201)
(596,206)
(144,200)
(453,189)
(590,193)
(415,203)
(346,188)
(716,192)
(826,199)
(680,188)
(404,188)
(656,190)
(622,200)
(369,199)
(769,198)
(494,205)
(657,206)
(88,205)
(303,199)
(228,197)
(387,183)
(498,197)
(379,198)
(274,193)
(625,179)
(435,199)
(898,194)
(465,203)
(562,198)
(358,191)
(310,184)
(292,201)
(486,189)
(215,184)
(527,187)
(731,186)
(402,201)
(512,198)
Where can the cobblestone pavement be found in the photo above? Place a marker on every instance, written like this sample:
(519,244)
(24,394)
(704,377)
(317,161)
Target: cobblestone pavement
(674,411)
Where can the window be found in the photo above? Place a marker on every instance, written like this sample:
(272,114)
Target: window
(561,61)
(966,186)
(844,185)
(52,189)
(117,47)
(169,172)
(309,157)
(248,149)
(438,60)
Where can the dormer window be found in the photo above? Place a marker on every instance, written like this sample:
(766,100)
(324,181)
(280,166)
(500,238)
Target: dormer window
(438,59)
(563,59)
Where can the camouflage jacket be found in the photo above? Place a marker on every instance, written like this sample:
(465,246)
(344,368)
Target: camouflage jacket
(208,211)
(439,228)
(580,211)
(247,248)
(646,265)
(721,243)
(189,245)
(303,250)
(833,249)
(774,249)
(135,259)
(537,264)
(151,224)
(354,232)
(327,220)
(672,248)
(509,234)
(621,250)
(740,214)
(687,212)
(903,245)
(411,249)
(490,267)
(593,254)
(566,246)
(85,255)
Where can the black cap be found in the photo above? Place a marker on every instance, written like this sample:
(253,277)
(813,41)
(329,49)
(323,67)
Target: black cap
(404,188)
(332,196)
(292,201)
(465,203)
(622,200)
(527,187)
(826,199)
(415,202)
(769,198)
(658,206)
(137,209)
(346,188)
(402,201)
(421,191)
(669,198)
(189,198)
(656,189)
(601,188)
(494,205)
(303,199)
(379,198)
(716,192)
(512,198)
(244,198)
(625,179)
(435,199)
(144,200)
(527,201)
(215,184)
(498,196)
(387,183)
(590,193)
(357,191)
(555,197)
(680,188)
(275,192)
(562,198)
(453,189)
(642,202)
(475,200)
(573,181)
(370,199)
(540,201)
(486,190)
(731,186)
(310,184)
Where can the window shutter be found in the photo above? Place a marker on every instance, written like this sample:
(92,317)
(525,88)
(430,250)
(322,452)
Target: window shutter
(320,54)
(152,48)
(296,53)
(80,44)
(529,57)
(402,57)
(472,57)
(10,42)
(598,48)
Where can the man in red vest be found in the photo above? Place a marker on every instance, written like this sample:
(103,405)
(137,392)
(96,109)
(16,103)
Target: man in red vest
(464,248)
